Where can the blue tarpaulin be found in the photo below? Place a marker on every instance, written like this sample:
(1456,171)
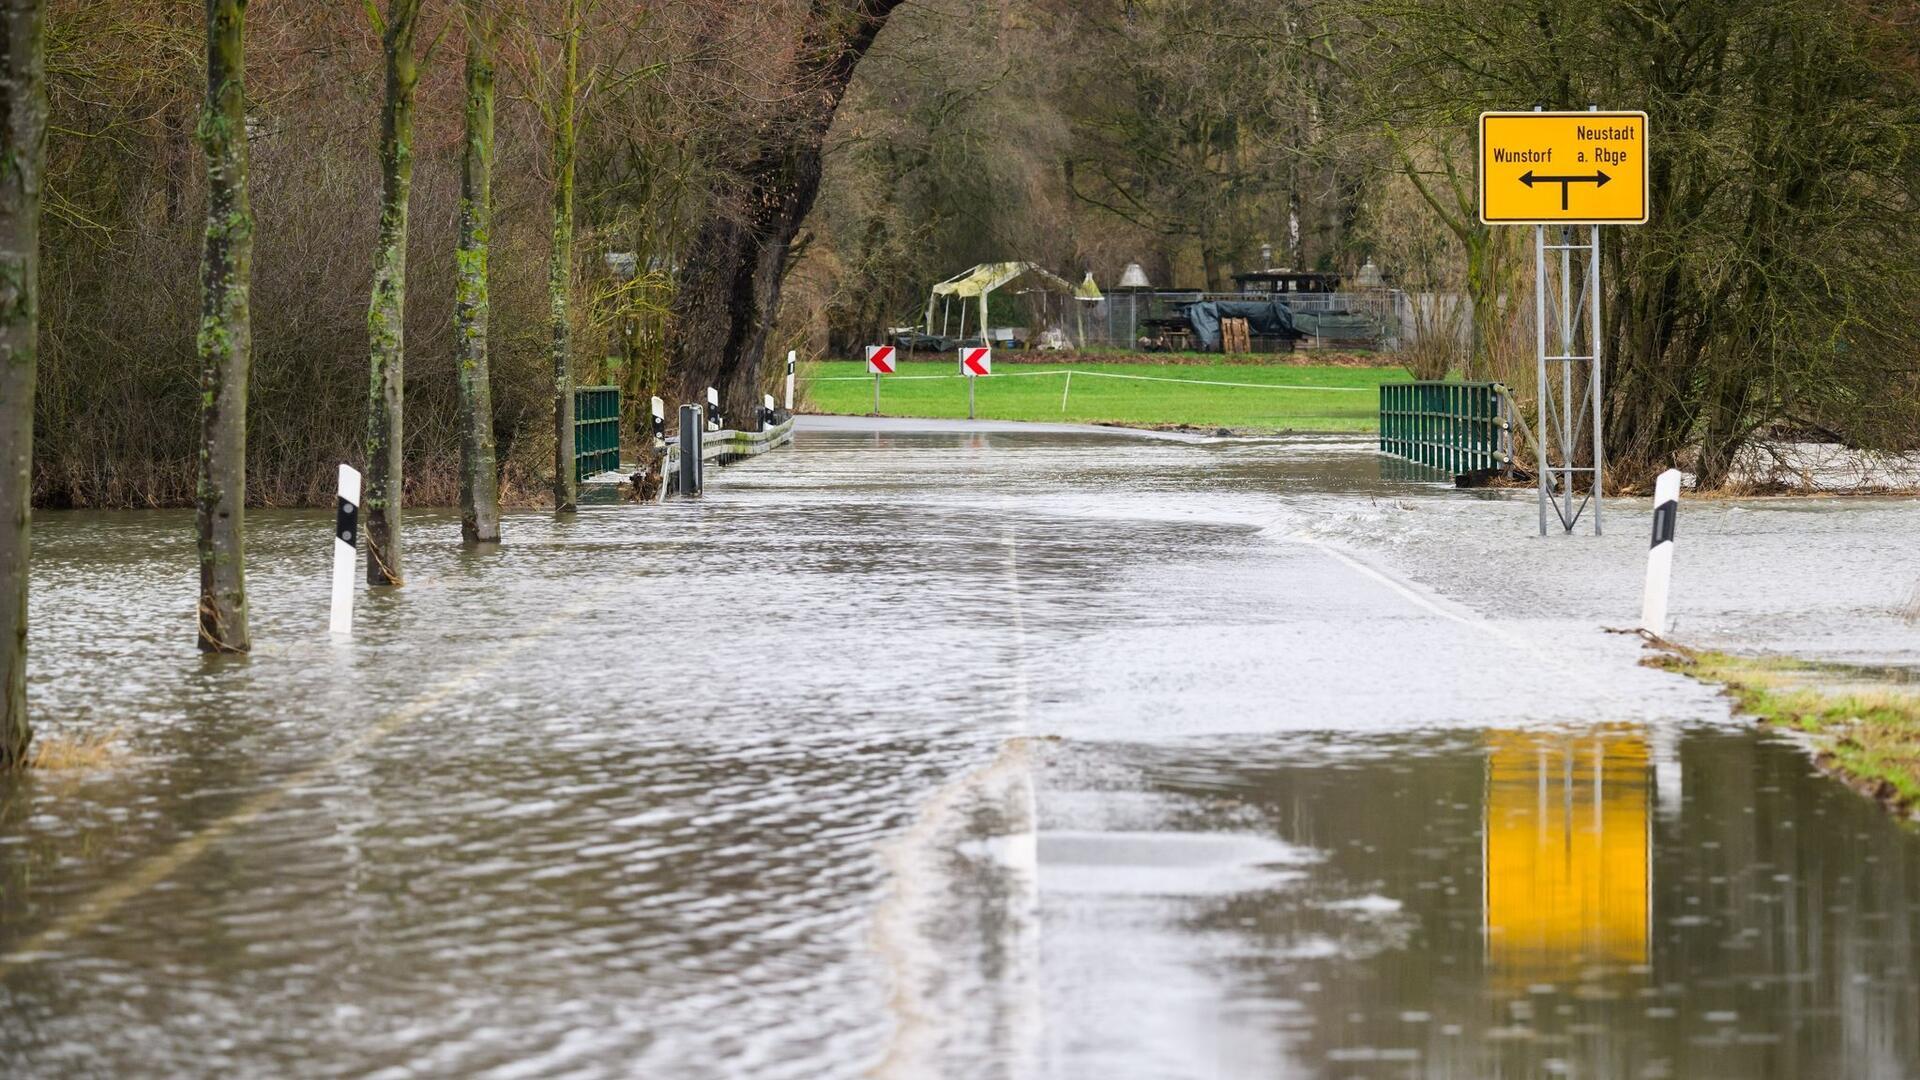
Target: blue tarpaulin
(1265,318)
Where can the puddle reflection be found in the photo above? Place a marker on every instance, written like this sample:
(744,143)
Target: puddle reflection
(1622,901)
(1568,850)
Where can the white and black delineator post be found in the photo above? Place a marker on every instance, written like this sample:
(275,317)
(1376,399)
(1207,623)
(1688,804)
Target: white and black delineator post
(713,409)
(792,355)
(766,413)
(346,543)
(659,432)
(1666,516)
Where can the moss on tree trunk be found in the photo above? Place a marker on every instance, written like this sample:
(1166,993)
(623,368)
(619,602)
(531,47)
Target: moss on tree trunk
(225,338)
(560,266)
(479,475)
(386,314)
(23,124)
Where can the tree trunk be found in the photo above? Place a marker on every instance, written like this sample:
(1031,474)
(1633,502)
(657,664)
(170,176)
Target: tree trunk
(225,340)
(1483,296)
(560,266)
(23,114)
(730,282)
(1648,419)
(1727,430)
(1477,243)
(479,474)
(386,314)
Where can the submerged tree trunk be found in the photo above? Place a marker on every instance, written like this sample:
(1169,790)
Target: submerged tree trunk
(225,340)
(479,475)
(23,124)
(560,266)
(386,314)
(730,283)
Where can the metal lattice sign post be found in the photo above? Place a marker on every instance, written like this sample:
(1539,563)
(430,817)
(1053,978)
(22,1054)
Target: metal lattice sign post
(1566,169)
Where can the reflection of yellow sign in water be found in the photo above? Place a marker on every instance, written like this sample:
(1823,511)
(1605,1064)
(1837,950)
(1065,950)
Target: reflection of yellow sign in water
(1563,167)
(1567,847)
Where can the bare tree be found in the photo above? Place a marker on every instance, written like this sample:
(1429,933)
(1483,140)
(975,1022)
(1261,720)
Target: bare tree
(1487,270)
(386,314)
(1192,115)
(1771,285)
(560,268)
(479,473)
(731,276)
(22,145)
(226,338)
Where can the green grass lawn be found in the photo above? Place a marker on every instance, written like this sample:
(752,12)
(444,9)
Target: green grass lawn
(1262,398)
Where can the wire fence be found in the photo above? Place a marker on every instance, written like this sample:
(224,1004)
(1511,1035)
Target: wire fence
(1155,320)
(1087,374)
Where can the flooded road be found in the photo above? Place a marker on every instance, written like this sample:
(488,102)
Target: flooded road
(918,751)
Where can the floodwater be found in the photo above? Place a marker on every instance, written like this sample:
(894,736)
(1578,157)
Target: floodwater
(922,750)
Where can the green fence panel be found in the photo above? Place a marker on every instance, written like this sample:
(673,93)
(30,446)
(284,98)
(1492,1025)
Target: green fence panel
(1456,427)
(596,430)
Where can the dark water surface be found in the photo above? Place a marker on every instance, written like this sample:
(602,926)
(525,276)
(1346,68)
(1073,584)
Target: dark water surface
(960,754)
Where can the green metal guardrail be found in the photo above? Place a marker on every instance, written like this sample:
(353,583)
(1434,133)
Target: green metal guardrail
(1460,427)
(596,430)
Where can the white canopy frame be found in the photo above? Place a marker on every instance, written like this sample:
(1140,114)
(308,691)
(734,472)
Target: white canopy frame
(981,282)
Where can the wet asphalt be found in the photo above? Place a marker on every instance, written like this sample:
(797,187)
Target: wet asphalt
(949,750)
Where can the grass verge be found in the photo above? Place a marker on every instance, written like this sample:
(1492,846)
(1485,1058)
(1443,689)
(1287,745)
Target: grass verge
(1236,396)
(1864,730)
(56,753)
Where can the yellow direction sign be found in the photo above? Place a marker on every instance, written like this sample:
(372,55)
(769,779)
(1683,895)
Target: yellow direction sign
(1555,168)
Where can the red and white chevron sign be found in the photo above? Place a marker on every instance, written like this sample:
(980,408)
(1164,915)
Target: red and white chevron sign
(880,359)
(976,361)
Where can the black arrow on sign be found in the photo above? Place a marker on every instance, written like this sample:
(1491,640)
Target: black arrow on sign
(1598,180)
